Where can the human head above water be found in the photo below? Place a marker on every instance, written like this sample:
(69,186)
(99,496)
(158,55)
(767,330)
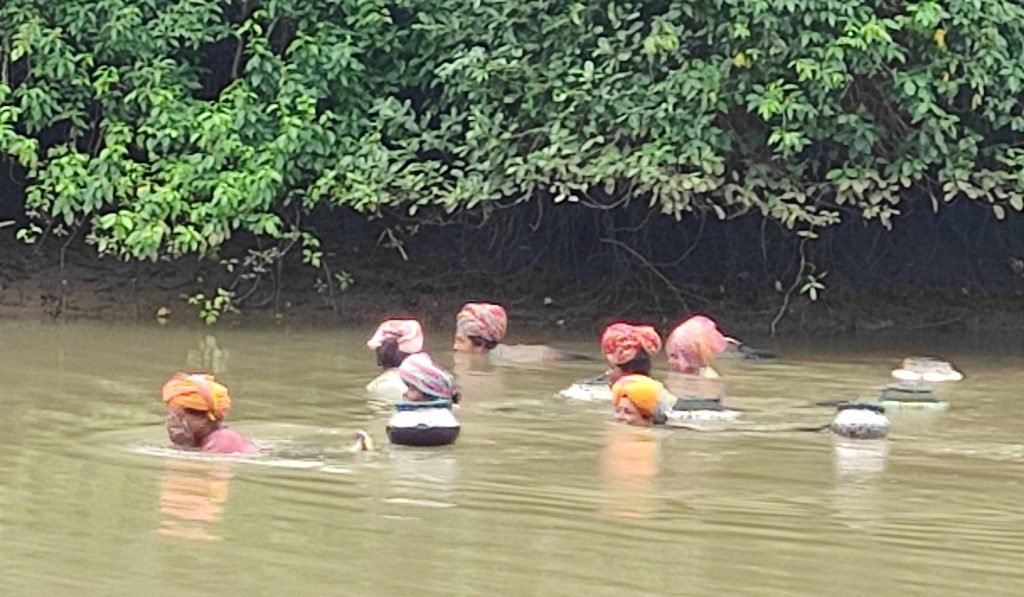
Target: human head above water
(426,380)
(479,327)
(628,348)
(196,404)
(394,340)
(694,344)
(637,400)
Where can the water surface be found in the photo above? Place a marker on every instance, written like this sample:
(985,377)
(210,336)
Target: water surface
(538,497)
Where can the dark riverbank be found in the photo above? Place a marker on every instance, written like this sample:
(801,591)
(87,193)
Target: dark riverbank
(34,284)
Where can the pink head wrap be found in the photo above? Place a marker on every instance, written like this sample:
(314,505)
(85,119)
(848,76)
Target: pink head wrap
(621,342)
(409,333)
(485,320)
(695,343)
(421,372)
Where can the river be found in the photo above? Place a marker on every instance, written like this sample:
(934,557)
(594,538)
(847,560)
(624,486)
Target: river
(539,496)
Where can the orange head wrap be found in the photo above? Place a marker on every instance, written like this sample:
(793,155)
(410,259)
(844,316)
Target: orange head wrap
(695,343)
(197,391)
(642,391)
(621,342)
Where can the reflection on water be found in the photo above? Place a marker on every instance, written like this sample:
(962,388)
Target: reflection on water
(207,356)
(192,498)
(629,466)
(539,496)
(857,468)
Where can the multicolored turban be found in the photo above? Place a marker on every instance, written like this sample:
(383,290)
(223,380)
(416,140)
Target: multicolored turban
(197,391)
(485,320)
(644,392)
(421,372)
(621,342)
(695,343)
(409,333)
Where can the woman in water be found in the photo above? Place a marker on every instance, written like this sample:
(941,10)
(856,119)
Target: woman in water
(196,406)
(638,401)
(424,417)
(629,348)
(426,381)
(393,341)
(693,345)
(480,328)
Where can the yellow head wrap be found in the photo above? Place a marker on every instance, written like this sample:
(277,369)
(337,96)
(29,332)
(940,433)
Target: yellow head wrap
(197,391)
(642,391)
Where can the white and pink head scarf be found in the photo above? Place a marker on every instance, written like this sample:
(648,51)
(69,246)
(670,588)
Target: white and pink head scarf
(694,344)
(409,333)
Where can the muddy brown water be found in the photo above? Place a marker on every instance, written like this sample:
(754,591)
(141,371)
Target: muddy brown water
(538,496)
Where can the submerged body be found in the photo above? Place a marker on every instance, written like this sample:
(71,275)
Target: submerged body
(479,330)
(196,407)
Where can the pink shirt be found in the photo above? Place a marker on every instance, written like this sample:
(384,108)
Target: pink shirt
(228,441)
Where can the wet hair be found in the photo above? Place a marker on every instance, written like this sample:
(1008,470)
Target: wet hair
(639,365)
(479,341)
(388,355)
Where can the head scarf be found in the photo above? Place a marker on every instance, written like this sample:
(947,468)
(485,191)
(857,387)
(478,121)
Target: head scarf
(197,391)
(695,342)
(642,391)
(421,372)
(621,342)
(485,320)
(409,333)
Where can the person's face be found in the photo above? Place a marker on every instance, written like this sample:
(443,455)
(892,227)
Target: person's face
(414,395)
(187,429)
(678,363)
(464,344)
(626,412)
(179,430)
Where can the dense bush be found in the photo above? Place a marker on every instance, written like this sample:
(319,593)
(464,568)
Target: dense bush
(162,127)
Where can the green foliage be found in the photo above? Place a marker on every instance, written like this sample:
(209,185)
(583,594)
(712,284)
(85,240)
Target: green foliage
(167,126)
(813,286)
(212,308)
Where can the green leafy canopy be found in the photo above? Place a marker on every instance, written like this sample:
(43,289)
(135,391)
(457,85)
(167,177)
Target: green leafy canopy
(166,126)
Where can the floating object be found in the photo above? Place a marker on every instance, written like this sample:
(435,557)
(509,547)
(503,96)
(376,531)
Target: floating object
(428,423)
(860,421)
(363,442)
(909,395)
(163,314)
(688,408)
(740,350)
(588,392)
(591,389)
(926,369)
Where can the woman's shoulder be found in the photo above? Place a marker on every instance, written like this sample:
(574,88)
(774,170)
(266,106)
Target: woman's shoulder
(228,441)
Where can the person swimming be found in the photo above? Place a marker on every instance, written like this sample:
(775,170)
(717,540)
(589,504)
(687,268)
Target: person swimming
(196,407)
(693,345)
(639,401)
(393,341)
(424,416)
(628,348)
(480,329)
(691,348)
